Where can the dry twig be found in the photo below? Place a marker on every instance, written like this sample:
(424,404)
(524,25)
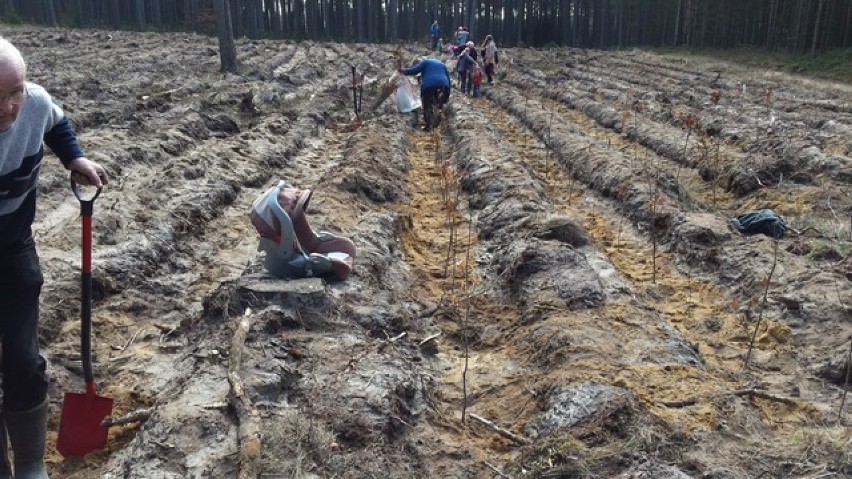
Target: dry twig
(428,338)
(494,469)
(135,416)
(846,386)
(738,392)
(247,414)
(499,430)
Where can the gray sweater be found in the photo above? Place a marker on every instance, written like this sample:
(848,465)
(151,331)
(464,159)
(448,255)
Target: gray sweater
(40,121)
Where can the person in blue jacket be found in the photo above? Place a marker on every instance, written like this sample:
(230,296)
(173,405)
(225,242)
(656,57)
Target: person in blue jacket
(435,31)
(29,119)
(434,85)
(460,39)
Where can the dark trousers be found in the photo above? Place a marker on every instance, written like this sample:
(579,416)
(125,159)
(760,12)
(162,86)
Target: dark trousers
(433,97)
(464,81)
(24,376)
(489,72)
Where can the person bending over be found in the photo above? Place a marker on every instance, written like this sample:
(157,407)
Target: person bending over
(434,86)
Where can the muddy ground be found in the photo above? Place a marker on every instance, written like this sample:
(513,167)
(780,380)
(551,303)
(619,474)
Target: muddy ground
(548,286)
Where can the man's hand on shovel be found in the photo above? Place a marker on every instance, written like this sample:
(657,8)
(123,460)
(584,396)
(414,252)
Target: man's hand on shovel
(88,173)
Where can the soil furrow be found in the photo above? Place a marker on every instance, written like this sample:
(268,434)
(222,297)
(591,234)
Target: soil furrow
(699,309)
(709,260)
(717,163)
(753,122)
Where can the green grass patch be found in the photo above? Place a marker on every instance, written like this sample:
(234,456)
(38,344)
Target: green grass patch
(9,17)
(833,65)
(831,251)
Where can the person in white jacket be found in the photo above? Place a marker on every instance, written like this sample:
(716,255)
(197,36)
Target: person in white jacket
(490,57)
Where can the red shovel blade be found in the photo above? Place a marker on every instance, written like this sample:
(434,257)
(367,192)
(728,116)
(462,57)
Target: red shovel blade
(80,430)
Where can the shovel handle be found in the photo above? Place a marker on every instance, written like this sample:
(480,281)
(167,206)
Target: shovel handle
(86,210)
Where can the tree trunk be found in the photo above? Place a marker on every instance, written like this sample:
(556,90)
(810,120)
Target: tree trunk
(816,28)
(359,20)
(156,14)
(345,19)
(298,18)
(677,23)
(190,15)
(227,49)
(393,20)
(771,24)
(847,32)
(311,19)
(372,13)
(470,21)
(325,18)
(140,14)
(49,12)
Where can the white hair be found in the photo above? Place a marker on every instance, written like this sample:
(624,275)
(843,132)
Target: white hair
(10,55)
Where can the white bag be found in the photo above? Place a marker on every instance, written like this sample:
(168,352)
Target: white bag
(407,99)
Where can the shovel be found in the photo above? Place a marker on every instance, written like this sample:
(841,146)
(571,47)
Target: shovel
(80,430)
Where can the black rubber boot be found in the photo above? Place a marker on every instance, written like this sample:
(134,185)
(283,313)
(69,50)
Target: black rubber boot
(5,465)
(27,433)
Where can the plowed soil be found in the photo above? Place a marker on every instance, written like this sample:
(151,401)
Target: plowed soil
(548,285)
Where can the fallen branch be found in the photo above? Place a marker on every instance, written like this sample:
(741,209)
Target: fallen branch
(384,92)
(428,312)
(395,338)
(135,416)
(738,392)
(846,386)
(429,338)
(390,340)
(763,395)
(682,403)
(131,340)
(494,469)
(499,430)
(247,415)
(819,234)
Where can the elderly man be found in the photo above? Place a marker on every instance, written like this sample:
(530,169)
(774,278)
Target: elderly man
(28,119)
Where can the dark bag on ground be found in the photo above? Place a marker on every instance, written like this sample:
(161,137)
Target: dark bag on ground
(764,221)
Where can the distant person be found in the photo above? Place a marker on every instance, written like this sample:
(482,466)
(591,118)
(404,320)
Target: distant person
(460,39)
(471,50)
(29,118)
(476,80)
(434,86)
(456,35)
(490,57)
(435,31)
(464,65)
